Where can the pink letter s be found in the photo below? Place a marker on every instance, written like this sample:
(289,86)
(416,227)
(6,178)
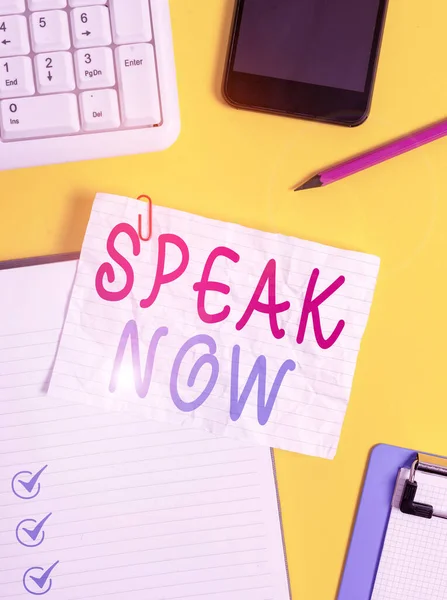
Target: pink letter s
(106,269)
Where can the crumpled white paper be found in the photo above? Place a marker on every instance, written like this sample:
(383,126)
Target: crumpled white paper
(149,333)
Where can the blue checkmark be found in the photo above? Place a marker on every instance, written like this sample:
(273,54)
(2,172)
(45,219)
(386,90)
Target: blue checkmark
(37,582)
(30,533)
(25,487)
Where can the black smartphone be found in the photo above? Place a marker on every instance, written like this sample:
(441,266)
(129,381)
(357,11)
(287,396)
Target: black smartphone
(313,59)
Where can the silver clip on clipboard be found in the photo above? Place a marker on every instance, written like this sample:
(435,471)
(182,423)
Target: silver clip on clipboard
(435,465)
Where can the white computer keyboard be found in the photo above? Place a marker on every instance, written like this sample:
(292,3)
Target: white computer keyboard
(83,79)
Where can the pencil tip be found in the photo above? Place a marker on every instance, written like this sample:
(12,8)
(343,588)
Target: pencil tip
(313,182)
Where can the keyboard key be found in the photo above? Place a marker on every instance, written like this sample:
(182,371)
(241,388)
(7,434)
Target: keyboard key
(10,7)
(137,80)
(94,68)
(131,21)
(99,110)
(91,27)
(54,73)
(13,36)
(76,3)
(16,78)
(49,31)
(46,4)
(39,116)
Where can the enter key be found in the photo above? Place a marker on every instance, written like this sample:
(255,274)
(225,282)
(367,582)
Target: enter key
(138,88)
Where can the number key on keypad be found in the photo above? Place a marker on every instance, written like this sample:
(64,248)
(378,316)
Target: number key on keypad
(11,7)
(54,72)
(46,4)
(16,77)
(13,35)
(91,26)
(38,116)
(94,68)
(49,31)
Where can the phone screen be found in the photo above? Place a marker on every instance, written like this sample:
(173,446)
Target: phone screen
(319,42)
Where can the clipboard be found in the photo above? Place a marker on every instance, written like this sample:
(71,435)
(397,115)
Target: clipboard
(365,549)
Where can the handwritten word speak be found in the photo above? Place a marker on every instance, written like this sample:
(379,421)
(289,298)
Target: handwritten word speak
(267,279)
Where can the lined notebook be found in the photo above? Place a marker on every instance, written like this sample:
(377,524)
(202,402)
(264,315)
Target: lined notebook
(97,505)
(218,375)
(413,565)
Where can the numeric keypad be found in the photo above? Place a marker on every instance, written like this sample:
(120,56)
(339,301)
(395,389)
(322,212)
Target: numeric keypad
(60,74)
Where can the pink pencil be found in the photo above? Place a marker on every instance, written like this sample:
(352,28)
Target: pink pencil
(374,157)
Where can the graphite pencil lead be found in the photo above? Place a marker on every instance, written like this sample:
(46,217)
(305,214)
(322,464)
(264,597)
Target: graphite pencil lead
(313,182)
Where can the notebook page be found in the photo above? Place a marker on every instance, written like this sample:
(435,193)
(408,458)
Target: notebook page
(235,373)
(413,565)
(100,506)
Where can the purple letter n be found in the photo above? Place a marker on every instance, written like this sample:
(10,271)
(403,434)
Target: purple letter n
(142,384)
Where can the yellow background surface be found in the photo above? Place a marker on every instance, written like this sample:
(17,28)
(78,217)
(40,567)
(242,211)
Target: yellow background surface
(239,166)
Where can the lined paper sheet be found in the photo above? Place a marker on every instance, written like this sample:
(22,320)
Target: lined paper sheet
(413,565)
(99,506)
(234,361)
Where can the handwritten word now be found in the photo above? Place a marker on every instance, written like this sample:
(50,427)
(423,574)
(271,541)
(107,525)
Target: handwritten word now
(267,279)
(142,381)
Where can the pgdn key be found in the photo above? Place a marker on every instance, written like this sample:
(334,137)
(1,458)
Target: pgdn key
(39,116)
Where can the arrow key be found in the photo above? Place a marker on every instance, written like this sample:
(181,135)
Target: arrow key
(13,35)
(91,27)
(54,72)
